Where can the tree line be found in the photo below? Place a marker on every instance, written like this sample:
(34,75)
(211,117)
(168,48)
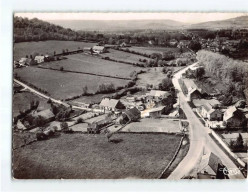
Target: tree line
(37,30)
(233,73)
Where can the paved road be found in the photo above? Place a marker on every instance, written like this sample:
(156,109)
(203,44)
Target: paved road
(200,141)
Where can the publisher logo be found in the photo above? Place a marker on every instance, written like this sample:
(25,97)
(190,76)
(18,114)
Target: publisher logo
(232,171)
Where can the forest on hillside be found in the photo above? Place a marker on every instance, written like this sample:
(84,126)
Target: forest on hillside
(37,30)
(233,73)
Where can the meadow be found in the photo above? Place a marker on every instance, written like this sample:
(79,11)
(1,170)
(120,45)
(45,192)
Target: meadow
(151,50)
(21,102)
(124,56)
(83,156)
(62,85)
(90,64)
(43,47)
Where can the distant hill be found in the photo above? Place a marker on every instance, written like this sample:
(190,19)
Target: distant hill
(115,25)
(238,22)
(38,30)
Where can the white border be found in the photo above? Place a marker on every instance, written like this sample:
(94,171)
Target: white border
(10,6)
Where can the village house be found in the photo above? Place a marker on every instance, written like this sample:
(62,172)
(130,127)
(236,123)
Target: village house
(39,59)
(124,44)
(22,61)
(155,96)
(192,90)
(47,115)
(132,114)
(156,112)
(111,105)
(234,118)
(173,42)
(208,109)
(96,127)
(99,49)
(210,167)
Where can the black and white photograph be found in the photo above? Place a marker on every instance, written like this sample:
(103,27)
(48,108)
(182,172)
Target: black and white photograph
(130,95)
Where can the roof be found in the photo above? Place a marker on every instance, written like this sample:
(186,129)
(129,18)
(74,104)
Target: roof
(100,48)
(160,108)
(47,114)
(210,163)
(230,112)
(200,102)
(190,85)
(39,57)
(133,113)
(106,102)
(87,48)
(158,93)
(23,60)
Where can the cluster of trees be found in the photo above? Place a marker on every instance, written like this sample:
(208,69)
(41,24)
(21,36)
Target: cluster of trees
(105,88)
(31,121)
(233,73)
(238,145)
(61,112)
(37,30)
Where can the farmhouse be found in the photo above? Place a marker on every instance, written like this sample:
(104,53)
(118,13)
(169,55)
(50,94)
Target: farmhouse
(96,127)
(155,96)
(234,118)
(111,104)
(30,62)
(22,61)
(210,167)
(192,90)
(47,115)
(156,112)
(39,59)
(132,114)
(208,109)
(99,49)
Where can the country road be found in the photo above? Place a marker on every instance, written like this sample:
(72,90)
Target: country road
(200,141)
(32,90)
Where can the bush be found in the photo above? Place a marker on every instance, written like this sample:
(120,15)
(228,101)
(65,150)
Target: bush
(41,136)
(80,120)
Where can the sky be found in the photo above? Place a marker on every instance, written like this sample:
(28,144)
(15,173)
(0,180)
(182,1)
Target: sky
(181,17)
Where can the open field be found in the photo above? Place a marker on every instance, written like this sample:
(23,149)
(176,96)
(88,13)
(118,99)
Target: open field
(89,64)
(43,47)
(124,56)
(21,101)
(153,125)
(153,76)
(62,85)
(81,156)
(151,50)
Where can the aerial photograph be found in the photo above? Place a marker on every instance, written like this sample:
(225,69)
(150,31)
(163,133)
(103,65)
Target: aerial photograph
(130,95)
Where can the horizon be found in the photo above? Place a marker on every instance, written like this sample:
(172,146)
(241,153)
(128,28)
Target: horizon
(187,18)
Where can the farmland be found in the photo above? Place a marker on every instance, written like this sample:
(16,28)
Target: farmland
(151,50)
(124,56)
(63,85)
(80,156)
(21,101)
(90,64)
(153,125)
(43,47)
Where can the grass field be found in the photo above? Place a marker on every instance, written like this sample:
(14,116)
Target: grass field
(82,156)
(21,101)
(90,64)
(124,56)
(43,47)
(151,50)
(153,76)
(63,85)
(153,125)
